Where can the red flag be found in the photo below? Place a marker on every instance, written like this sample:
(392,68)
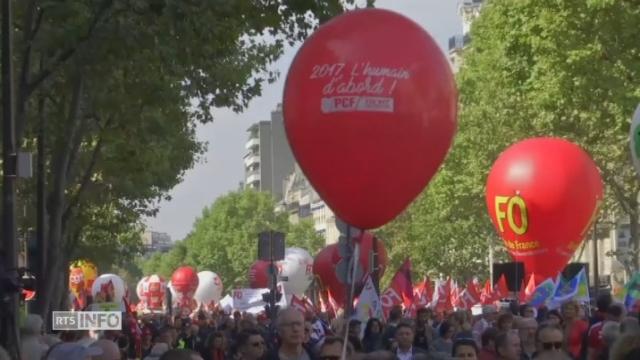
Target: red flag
(486,296)
(442,296)
(501,290)
(297,304)
(473,293)
(400,291)
(525,295)
(423,293)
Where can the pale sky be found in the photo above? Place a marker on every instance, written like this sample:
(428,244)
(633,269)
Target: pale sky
(222,169)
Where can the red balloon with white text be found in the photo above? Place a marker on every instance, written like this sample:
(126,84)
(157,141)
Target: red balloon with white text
(370,113)
(542,196)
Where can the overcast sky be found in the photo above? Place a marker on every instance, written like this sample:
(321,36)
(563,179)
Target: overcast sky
(222,168)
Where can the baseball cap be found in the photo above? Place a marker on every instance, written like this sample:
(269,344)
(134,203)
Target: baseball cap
(72,351)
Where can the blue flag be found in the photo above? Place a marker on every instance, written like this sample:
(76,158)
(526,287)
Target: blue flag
(543,292)
(565,290)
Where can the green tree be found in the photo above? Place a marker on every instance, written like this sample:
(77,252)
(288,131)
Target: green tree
(225,238)
(564,68)
(114,89)
(303,235)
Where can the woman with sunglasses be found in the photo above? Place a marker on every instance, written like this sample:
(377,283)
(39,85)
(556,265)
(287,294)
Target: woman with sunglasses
(250,345)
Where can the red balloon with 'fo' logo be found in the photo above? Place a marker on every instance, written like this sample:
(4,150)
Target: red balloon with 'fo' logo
(370,113)
(543,195)
(330,264)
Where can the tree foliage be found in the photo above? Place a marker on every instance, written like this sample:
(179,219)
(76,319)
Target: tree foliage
(565,68)
(113,89)
(225,237)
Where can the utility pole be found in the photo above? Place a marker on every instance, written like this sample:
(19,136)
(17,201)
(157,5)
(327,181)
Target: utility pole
(9,173)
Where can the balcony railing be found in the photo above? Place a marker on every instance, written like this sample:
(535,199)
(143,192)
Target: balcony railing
(251,159)
(253,177)
(252,143)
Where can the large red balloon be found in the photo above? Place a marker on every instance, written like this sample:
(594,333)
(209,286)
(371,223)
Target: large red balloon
(259,275)
(543,195)
(329,261)
(370,113)
(185,280)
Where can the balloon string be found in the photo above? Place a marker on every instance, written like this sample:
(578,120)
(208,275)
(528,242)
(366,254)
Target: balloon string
(354,270)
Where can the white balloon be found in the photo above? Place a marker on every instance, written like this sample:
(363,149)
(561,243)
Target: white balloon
(209,288)
(119,288)
(140,288)
(634,141)
(297,267)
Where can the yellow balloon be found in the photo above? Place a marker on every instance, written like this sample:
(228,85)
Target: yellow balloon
(89,272)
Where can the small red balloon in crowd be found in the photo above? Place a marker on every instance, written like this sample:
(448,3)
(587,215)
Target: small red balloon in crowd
(329,261)
(185,281)
(370,113)
(543,195)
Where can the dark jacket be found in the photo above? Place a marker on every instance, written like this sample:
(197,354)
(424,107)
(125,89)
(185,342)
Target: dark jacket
(274,354)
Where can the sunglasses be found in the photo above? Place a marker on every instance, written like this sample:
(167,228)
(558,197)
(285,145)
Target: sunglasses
(552,345)
(258,344)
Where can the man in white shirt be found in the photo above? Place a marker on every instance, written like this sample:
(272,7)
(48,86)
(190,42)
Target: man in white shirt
(404,343)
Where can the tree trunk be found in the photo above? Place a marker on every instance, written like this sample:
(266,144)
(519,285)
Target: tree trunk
(56,202)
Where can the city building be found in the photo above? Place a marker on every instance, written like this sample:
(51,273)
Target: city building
(269,159)
(468,11)
(301,201)
(153,241)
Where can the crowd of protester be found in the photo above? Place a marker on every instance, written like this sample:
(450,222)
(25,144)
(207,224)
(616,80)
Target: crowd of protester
(509,332)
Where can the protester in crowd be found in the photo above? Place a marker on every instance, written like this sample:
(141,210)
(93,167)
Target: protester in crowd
(554,318)
(157,351)
(381,355)
(486,321)
(527,311)
(290,325)
(488,341)
(627,347)
(72,351)
(462,329)
(147,341)
(395,315)
(508,346)
(423,329)
(610,333)
(505,322)
(32,346)
(372,340)
(549,340)
(189,338)
(603,301)
(629,325)
(404,338)
(575,328)
(110,350)
(215,347)
(332,347)
(465,349)
(595,346)
(354,331)
(444,343)
(527,327)
(181,354)
(249,345)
